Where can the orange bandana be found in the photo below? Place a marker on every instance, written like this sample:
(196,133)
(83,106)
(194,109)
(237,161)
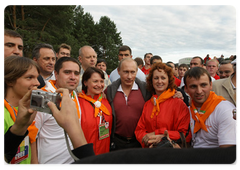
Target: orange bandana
(207,108)
(50,87)
(33,130)
(163,97)
(98,105)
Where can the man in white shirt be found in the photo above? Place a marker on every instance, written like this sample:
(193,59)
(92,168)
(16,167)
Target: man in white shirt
(211,119)
(51,145)
(125,52)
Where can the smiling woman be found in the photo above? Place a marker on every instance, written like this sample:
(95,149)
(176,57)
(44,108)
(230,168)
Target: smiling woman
(96,118)
(162,112)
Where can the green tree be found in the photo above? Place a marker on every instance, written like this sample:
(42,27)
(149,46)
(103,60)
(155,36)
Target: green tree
(108,42)
(48,24)
(64,24)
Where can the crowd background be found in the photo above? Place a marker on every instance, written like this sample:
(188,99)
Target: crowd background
(148,87)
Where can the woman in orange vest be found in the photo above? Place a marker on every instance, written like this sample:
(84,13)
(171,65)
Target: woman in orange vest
(96,120)
(162,112)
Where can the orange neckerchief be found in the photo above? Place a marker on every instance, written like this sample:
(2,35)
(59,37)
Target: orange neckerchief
(207,108)
(156,101)
(33,130)
(52,88)
(97,103)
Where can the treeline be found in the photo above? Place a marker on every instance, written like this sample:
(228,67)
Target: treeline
(64,24)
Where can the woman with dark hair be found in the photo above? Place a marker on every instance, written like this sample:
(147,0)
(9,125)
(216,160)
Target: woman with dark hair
(96,120)
(162,112)
(20,76)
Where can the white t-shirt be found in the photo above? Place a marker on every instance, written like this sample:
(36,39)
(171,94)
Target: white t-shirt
(51,143)
(220,125)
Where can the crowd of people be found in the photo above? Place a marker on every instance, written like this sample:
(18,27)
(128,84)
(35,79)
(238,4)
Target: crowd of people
(137,106)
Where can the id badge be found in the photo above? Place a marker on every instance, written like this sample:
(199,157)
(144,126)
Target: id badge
(103,130)
(22,152)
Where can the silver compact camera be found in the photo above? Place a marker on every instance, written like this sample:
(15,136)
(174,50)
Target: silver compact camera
(39,100)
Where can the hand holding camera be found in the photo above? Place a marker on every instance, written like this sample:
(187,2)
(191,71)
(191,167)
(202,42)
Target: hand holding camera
(40,98)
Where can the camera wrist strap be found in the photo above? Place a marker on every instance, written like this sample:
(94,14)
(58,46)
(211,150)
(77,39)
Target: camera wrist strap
(68,147)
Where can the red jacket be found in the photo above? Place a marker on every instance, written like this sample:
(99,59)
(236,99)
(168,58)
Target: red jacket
(90,125)
(173,116)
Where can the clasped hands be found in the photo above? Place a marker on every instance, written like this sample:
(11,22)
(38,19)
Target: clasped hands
(150,139)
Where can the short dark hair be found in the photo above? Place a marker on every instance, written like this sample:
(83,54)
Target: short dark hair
(87,75)
(196,72)
(125,48)
(12,33)
(147,54)
(176,65)
(184,65)
(169,65)
(60,61)
(225,62)
(139,61)
(35,52)
(202,61)
(155,57)
(99,60)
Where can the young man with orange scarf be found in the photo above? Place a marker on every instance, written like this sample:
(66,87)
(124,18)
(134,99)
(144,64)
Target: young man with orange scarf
(51,144)
(212,124)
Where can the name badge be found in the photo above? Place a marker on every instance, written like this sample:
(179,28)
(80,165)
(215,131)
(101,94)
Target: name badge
(103,130)
(22,152)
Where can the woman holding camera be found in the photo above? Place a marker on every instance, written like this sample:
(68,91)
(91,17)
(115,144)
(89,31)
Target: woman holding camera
(96,118)
(20,76)
(162,112)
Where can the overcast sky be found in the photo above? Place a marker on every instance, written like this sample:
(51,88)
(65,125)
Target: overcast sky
(173,31)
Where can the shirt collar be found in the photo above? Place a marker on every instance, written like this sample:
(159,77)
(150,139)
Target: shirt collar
(51,77)
(81,71)
(134,87)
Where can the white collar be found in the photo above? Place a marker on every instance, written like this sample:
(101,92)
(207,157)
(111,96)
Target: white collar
(134,87)
(51,77)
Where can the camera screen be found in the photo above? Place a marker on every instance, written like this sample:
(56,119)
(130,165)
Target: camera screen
(36,101)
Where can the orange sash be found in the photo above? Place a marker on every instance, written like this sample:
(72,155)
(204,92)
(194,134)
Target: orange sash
(97,103)
(33,130)
(207,108)
(52,88)
(163,97)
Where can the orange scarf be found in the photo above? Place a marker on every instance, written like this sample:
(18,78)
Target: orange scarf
(207,108)
(50,87)
(163,97)
(33,130)
(98,105)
